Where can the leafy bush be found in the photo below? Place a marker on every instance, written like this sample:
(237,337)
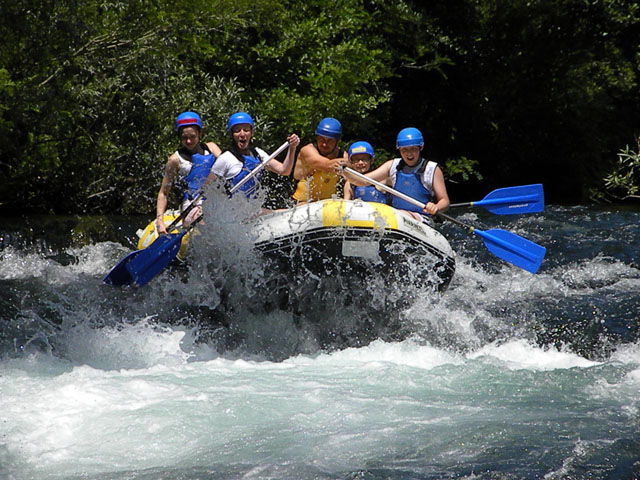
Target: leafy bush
(623,182)
(531,90)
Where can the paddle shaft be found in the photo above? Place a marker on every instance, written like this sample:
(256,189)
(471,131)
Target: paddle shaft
(401,195)
(497,201)
(506,245)
(185,212)
(255,171)
(387,188)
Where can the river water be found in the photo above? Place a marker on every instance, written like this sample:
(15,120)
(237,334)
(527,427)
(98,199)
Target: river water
(506,375)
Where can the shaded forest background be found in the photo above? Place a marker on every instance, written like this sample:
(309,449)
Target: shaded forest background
(506,92)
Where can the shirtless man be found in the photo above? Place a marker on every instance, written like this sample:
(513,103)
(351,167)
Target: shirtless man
(318,165)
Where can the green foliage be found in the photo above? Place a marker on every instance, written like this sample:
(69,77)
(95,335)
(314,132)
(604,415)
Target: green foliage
(305,61)
(623,182)
(94,113)
(94,107)
(462,169)
(553,72)
(527,88)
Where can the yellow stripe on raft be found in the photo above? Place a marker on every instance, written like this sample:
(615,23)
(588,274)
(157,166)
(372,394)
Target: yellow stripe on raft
(359,214)
(149,235)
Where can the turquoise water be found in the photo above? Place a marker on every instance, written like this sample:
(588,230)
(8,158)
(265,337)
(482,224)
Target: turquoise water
(506,375)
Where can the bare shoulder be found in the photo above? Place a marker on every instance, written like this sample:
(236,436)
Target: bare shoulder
(438,173)
(173,161)
(172,167)
(214,148)
(301,169)
(307,151)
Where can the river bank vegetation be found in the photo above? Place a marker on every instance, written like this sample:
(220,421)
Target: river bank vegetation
(506,92)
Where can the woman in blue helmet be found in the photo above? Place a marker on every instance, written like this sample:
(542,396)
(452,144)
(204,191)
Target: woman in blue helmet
(361,158)
(412,175)
(190,164)
(242,157)
(319,164)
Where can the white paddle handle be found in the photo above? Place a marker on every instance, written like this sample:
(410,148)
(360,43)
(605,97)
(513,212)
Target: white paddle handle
(387,188)
(258,168)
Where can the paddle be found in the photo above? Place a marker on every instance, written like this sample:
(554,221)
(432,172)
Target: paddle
(142,265)
(127,271)
(255,171)
(511,200)
(508,246)
(153,259)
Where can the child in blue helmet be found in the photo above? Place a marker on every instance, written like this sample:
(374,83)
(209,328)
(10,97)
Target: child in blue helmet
(412,175)
(242,157)
(361,158)
(190,164)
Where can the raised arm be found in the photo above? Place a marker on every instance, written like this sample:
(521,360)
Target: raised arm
(285,167)
(214,148)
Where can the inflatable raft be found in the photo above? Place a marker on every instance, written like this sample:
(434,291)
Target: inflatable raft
(356,238)
(348,238)
(149,234)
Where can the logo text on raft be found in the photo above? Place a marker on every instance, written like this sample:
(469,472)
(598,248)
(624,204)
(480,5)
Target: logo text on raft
(413,224)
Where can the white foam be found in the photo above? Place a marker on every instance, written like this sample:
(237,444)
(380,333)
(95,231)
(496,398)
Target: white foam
(627,354)
(96,259)
(16,265)
(128,346)
(90,260)
(407,353)
(520,354)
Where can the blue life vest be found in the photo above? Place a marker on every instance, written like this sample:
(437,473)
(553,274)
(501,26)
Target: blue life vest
(370,193)
(411,184)
(249,163)
(200,167)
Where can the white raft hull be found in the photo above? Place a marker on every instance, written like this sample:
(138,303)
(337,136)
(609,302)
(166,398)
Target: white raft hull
(347,239)
(337,237)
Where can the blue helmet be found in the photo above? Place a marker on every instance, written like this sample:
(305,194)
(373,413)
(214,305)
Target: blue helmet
(361,147)
(238,118)
(329,127)
(409,137)
(188,118)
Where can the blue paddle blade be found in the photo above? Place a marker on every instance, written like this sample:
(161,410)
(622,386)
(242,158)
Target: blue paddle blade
(153,259)
(514,200)
(119,275)
(514,249)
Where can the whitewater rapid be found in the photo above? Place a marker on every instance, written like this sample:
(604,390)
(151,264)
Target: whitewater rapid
(505,375)
(393,406)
